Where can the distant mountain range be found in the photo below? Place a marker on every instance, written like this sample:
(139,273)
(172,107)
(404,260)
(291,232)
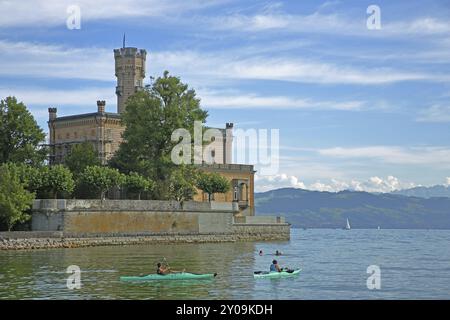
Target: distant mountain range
(315,209)
(425,192)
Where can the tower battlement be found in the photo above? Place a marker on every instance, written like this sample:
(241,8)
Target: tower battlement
(130,52)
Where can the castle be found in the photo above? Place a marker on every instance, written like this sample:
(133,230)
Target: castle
(104,130)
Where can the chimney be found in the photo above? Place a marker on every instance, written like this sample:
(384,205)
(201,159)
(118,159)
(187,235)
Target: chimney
(101,106)
(52,113)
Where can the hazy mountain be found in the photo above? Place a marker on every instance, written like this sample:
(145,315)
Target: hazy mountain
(314,209)
(425,192)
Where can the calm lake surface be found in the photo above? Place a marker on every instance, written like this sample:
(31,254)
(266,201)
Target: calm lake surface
(414,264)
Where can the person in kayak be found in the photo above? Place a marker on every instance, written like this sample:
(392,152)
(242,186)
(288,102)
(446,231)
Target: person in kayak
(274,267)
(260,252)
(162,270)
(278,253)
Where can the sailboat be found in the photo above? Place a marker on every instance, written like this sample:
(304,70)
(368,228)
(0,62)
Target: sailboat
(347,227)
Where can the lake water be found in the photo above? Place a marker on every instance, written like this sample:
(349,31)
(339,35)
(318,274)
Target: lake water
(414,264)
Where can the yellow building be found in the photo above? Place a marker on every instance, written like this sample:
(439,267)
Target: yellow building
(241,177)
(104,130)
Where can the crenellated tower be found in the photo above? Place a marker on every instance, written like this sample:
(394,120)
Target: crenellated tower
(130,73)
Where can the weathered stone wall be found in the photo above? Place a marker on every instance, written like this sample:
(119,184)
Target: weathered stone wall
(28,243)
(79,223)
(281,231)
(131,217)
(259,219)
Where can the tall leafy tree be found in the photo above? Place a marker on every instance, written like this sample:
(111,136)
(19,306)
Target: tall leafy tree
(57,180)
(81,156)
(20,135)
(15,200)
(212,183)
(150,118)
(136,183)
(30,176)
(100,179)
(182,183)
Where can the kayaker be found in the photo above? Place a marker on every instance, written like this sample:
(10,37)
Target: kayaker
(274,267)
(278,253)
(162,270)
(260,252)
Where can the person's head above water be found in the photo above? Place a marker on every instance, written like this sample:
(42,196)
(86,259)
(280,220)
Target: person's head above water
(274,262)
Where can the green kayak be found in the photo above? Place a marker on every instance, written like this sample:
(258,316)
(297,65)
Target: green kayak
(170,276)
(282,274)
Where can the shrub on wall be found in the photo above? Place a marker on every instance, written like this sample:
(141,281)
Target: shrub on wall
(136,183)
(56,181)
(100,179)
(211,183)
(181,184)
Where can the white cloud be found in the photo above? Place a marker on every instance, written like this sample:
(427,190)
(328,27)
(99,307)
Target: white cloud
(49,97)
(51,13)
(51,61)
(331,23)
(373,184)
(68,102)
(313,23)
(295,69)
(419,26)
(392,154)
(265,183)
(88,96)
(447,183)
(435,113)
(217,100)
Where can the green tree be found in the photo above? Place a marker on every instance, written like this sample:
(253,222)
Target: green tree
(57,180)
(101,179)
(212,183)
(182,183)
(150,118)
(14,198)
(20,135)
(30,176)
(81,156)
(136,183)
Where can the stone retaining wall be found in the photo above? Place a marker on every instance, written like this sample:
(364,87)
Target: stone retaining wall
(131,216)
(263,232)
(81,223)
(36,241)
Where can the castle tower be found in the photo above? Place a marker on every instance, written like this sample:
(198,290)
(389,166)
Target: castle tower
(130,73)
(228,158)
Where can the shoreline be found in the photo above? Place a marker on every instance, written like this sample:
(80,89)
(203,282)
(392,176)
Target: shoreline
(57,240)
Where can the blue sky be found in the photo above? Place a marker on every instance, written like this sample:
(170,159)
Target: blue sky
(356,108)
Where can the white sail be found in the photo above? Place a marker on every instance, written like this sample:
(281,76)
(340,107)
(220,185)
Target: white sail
(348,225)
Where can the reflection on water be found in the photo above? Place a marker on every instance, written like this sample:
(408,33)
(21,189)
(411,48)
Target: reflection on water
(414,264)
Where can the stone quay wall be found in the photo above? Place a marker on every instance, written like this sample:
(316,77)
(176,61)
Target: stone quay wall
(80,223)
